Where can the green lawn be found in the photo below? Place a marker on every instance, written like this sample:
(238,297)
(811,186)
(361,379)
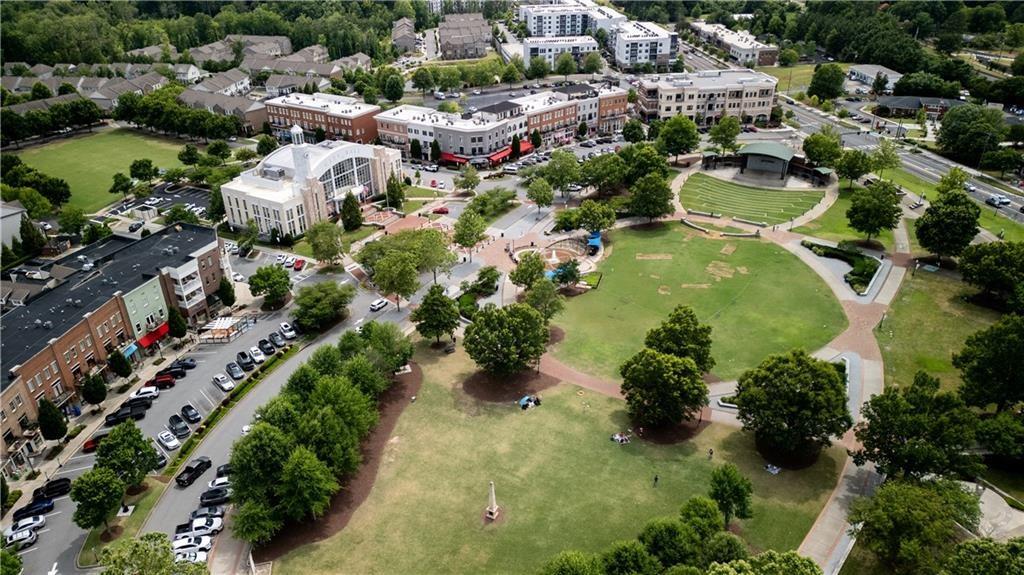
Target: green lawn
(559,480)
(760,299)
(424,192)
(707,194)
(1007,480)
(411,206)
(833,224)
(927,323)
(88,163)
(862,561)
(797,78)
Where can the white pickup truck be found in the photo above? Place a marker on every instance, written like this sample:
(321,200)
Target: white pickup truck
(206,526)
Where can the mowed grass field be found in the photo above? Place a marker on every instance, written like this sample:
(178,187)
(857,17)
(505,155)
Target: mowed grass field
(833,224)
(560,481)
(708,194)
(795,78)
(88,163)
(927,323)
(758,298)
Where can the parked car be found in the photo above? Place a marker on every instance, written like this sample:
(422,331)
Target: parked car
(266,347)
(245,360)
(281,258)
(433,183)
(191,544)
(224,470)
(144,402)
(441,186)
(161,460)
(162,381)
(299,264)
(185,363)
(192,471)
(53,488)
(191,557)
(287,331)
(219,482)
(177,372)
(378,304)
(135,227)
(178,427)
(21,540)
(190,413)
(34,522)
(430,168)
(289,261)
(167,439)
(218,496)
(124,414)
(213,511)
(199,527)
(36,507)
(277,339)
(234,371)
(257,355)
(93,442)
(148,392)
(238,277)
(441,210)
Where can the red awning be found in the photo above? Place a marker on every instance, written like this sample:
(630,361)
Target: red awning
(155,335)
(525,146)
(449,157)
(500,154)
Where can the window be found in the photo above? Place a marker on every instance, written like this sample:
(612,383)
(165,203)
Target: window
(58,389)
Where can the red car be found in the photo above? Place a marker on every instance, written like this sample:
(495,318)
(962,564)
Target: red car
(93,442)
(162,381)
(441,210)
(433,183)
(299,264)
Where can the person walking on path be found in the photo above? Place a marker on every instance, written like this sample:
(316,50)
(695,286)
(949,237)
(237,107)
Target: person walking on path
(655,479)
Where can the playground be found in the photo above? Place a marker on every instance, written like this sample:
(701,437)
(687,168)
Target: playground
(706,193)
(559,481)
(758,298)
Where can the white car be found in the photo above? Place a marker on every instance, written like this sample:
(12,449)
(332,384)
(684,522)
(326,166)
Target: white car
(281,258)
(287,331)
(223,382)
(21,539)
(238,277)
(33,523)
(148,392)
(46,226)
(257,355)
(378,304)
(167,439)
(192,544)
(289,262)
(193,557)
(246,429)
(441,185)
(219,482)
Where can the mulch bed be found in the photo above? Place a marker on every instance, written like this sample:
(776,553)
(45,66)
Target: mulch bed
(357,488)
(555,335)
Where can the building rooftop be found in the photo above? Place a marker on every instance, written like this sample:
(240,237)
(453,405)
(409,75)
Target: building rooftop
(500,107)
(566,40)
(633,30)
(408,113)
(709,79)
(738,38)
(222,80)
(340,106)
(872,70)
(771,149)
(97,273)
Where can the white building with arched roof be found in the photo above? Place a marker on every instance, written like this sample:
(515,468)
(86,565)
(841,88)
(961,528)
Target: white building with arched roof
(301,184)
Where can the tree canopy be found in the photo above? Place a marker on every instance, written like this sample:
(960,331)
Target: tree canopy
(506,340)
(662,389)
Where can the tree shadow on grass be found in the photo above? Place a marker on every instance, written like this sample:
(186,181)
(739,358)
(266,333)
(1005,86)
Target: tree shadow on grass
(489,388)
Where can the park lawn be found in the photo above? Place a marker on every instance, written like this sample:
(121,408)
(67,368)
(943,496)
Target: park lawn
(560,482)
(708,194)
(143,502)
(926,324)
(796,78)
(759,300)
(411,206)
(910,182)
(422,192)
(862,561)
(1007,480)
(833,224)
(88,163)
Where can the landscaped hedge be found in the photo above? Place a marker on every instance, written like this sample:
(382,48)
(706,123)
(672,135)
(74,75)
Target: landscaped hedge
(864,267)
(467,305)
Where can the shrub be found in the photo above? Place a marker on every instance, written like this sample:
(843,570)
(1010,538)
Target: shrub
(467,305)
(864,267)
(54,451)
(124,387)
(74,431)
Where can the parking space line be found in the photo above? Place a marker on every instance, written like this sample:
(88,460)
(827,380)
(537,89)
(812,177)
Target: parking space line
(61,498)
(79,456)
(23,553)
(63,471)
(212,403)
(51,514)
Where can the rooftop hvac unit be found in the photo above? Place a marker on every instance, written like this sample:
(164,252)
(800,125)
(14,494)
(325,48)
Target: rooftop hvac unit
(48,324)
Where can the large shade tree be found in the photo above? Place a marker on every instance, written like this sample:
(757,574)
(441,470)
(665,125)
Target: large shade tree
(992,366)
(662,389)
(506,340)
(682,335)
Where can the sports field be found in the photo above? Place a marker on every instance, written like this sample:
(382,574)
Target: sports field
(758,298)
(708,194)
(560,481)
(88,163)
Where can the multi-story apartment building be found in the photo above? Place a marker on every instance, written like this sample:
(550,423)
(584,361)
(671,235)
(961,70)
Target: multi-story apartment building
(551,48)
(112,295)
(741,45)
(301,184)
(464,36)
(233,82)
(486,136)
(340,117)
(568,18)
(706,96)
(635,44)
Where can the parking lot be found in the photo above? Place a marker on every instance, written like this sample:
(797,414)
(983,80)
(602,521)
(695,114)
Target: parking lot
(164,196)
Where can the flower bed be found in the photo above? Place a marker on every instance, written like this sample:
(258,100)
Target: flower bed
(864,267)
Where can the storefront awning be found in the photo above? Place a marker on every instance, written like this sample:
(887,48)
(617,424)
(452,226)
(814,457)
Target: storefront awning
(155,335)
(449,157)
(500,154)
(525,146)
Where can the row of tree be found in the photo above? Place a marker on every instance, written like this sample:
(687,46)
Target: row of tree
(75,114)
(307,440)
(161,110)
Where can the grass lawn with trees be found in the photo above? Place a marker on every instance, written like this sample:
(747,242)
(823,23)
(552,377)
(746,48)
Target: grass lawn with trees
(833,224)
(794,78)
(759,300)
(560,482)
(130,525)
(88,163)
(708,194)
(927,323)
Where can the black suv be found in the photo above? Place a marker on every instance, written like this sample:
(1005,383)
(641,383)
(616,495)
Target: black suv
(185,363)
(266,347)
(245,360)
(192,471)
(191,414)
(143,402)
(176,371)
(215,496)
(177,426)
(125,413)
(52,489)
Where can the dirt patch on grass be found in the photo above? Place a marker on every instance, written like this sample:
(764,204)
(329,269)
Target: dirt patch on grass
(555,335)
(728,249)
(641,256)
(720,270)
(490,388)
(695,286)
(357,488)
(111,534)
(663,290)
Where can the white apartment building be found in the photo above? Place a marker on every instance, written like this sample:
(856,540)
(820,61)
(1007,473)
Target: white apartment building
(637,43)
(741,45)
(550,48)
(569,18)
(706,96)
(301,184)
